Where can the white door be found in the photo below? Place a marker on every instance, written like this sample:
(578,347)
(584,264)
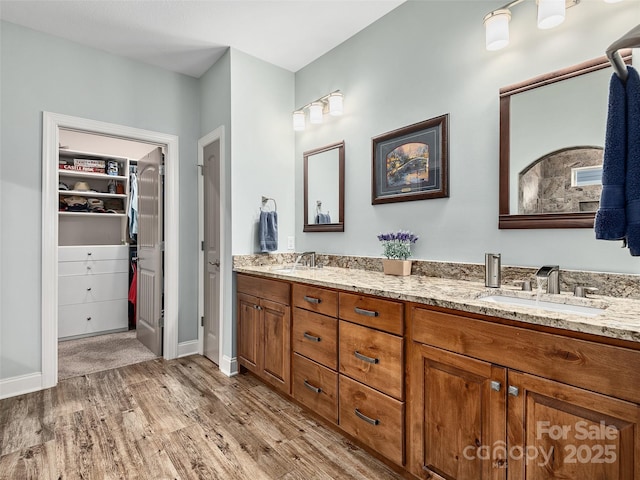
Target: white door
(150,265)
(211,269)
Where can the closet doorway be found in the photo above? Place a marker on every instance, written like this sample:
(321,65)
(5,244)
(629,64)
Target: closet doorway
(114,142)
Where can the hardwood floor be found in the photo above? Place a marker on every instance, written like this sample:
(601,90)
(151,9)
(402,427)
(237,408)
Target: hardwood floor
(180,419)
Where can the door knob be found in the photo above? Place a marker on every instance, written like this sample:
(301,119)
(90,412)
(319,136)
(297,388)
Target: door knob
(215,263)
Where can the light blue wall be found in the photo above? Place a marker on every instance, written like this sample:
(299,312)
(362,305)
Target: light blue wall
(425,59)
(263,148)
(44,73)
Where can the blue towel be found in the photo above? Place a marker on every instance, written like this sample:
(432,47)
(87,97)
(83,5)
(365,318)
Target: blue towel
(268,231)
(610,221)
(633,162)
(323,218)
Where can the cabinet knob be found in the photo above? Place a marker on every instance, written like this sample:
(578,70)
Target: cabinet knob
(88,318)
(513,391)
(496,385)
(88,267)
(89,254)
(89,289)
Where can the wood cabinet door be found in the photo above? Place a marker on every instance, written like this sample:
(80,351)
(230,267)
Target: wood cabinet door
(276,344)
(559,431)
(249,333)
(456,417)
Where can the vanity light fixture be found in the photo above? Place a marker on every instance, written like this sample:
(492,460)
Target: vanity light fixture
(551,13)
(331,103)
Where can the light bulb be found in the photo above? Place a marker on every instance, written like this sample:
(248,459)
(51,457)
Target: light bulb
(315,112)
(551,13)
(496,26)
(335,103)
(298,120)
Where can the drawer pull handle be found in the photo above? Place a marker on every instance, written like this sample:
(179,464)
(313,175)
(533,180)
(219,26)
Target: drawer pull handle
(312,299)
(364,358)
(308,336)
(368,313)
(362,416)
(311,387)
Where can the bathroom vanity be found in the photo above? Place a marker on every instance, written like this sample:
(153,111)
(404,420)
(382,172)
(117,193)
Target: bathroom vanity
(441,384)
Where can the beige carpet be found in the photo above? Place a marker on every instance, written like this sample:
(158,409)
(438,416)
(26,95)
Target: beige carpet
(103,352)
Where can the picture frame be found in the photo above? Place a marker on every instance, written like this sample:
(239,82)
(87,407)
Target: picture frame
(411,163)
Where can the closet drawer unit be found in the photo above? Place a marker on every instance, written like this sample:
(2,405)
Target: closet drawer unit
(316,387)
(93,267)
(319,300)
(384,315)
(372,357)
(74,289)
(316,336)
(90,319)
(93,252)
(372,417)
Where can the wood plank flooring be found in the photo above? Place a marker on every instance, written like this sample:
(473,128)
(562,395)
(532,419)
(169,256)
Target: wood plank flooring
(180,419)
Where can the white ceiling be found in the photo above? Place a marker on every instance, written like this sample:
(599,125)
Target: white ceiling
(188,36)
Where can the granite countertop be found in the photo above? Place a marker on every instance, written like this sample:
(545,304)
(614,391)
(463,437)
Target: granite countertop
(620,319)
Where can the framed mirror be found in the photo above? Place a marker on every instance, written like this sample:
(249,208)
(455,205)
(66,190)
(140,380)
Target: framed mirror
(324,189)
(552,131)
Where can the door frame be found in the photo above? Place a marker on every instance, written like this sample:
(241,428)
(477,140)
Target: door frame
(225,364)
(51,123)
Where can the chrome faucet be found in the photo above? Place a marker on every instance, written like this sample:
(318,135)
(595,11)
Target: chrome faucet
(312,259)
(552,274)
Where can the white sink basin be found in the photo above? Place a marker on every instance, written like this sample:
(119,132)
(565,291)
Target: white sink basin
(544,305)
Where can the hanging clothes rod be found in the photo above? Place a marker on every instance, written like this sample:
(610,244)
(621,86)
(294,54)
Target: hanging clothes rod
(629,40)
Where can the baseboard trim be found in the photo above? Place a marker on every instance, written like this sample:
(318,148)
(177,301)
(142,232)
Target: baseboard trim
(187,348)
(229,366)
(14,386)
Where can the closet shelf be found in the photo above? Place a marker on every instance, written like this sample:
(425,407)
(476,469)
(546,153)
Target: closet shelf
(84,193)
(77,174)
(91,214)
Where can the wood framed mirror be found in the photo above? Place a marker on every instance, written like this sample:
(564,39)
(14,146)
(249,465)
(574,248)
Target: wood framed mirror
(324,189)
(552,130)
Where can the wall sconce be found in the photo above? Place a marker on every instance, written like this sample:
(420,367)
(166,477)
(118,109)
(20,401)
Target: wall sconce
(551,13)
(331,104)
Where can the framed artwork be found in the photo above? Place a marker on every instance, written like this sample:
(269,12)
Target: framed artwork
(411,163)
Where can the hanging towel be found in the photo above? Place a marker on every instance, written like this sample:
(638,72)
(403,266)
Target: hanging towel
(610,221)
(268,231)
(632,187)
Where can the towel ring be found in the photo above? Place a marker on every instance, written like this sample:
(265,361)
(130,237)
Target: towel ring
(266,199)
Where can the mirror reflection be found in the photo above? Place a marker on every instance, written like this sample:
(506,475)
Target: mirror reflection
(324,189)
(552,132)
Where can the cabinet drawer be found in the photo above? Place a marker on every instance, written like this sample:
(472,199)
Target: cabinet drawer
(263,288)
(94,318)
(576,362)
(93,267)
(384,315)
(316,336)
(316,299)
(372,357)
(73,289)
(372,417)
(93,252)
(316,387)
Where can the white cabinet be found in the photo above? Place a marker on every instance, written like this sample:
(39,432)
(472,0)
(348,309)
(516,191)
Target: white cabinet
(93,287)
(93,195)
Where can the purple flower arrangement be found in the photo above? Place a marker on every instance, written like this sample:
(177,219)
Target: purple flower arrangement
(397,245)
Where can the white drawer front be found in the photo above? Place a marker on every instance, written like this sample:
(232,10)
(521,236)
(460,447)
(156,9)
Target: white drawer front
(91,267)
(87,319)
(93,252)
(73,289)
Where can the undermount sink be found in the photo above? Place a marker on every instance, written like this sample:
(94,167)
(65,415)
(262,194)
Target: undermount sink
(544,305)
(287,268)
